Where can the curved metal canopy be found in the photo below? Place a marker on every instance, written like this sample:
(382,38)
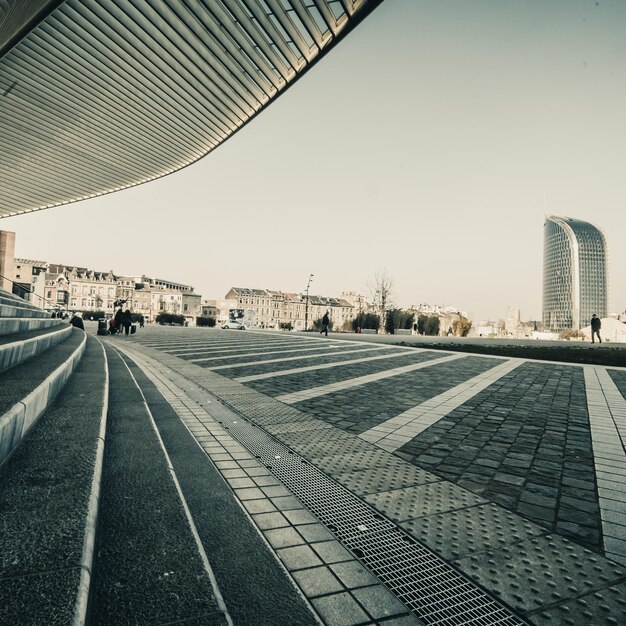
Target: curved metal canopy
(105,94)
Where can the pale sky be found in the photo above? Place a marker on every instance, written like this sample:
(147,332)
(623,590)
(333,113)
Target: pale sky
(429,144)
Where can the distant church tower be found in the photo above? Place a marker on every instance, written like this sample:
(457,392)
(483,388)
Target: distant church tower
(575,273)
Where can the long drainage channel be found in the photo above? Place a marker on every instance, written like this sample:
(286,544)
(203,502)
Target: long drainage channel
(430,587)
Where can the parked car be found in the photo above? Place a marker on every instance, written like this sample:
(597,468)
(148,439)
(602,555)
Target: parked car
(234,325)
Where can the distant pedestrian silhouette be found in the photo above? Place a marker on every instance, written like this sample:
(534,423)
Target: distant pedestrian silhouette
(119,320)
(77,322)
(127,321)
(325,324)
(596,324)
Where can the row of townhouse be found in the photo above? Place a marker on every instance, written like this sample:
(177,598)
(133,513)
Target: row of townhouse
(267,308)
(151,296)
(56,286)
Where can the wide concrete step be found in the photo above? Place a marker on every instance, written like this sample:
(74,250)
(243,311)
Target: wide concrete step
(9,296)
(11,325)
(12,299)
(17,348)
(148,567)
(48,503)
(254,585)
(27,389)
(19,310)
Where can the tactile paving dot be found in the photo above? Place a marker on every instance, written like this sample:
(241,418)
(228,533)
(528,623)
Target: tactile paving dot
(332,435)
(395,474)
(540,572)
(327,447)
(339,463)
(402,504)
(606,606)
(309,426)
(458,533)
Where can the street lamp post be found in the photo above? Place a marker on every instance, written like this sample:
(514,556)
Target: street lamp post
(306,303)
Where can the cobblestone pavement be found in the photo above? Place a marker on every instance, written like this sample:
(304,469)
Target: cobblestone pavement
(486,461)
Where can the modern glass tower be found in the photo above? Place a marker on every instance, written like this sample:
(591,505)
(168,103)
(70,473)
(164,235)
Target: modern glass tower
(575,273)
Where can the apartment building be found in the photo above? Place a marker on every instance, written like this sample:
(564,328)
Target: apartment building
(29,280)
(268,308)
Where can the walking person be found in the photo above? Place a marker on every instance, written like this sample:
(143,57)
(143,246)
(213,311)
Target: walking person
(127,321)
(119,320)
(596,324)
(77,321)
(325,324)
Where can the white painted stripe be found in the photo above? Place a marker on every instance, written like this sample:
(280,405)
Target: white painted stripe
(399,430)
(216,345)
(246,346)
(310,368)
(321,351)
(607,418)
(299,396)
(299,357)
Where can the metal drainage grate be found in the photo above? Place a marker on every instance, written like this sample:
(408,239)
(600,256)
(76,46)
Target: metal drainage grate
(437,593)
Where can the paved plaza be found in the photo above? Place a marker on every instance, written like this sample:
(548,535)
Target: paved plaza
(396,483)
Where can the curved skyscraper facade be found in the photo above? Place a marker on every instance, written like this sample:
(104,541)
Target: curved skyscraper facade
(575,273)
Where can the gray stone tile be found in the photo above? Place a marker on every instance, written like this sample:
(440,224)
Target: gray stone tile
(379,602)
(283,537)
(234,473)
(298,557)
(265,521)
(266,480)
(274,491)
(352,574)
(402,504)
(238,483)
(249,493)
(340,609)
(395,474)
(519,574)
(258,506)
(332,552)
(300,516)
(456,534)
(317,581)
(615,545)
(313,533)
(286,503)
(607,604)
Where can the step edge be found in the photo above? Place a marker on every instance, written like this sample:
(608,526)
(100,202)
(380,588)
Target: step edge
(50,339)
(35,403)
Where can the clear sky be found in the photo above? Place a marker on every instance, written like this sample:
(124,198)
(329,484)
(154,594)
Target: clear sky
(429,144)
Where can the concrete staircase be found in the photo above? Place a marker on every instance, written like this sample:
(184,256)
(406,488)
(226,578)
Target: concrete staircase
(52,406)
(94,524)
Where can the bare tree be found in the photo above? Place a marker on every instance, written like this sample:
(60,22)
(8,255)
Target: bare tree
(381,290)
